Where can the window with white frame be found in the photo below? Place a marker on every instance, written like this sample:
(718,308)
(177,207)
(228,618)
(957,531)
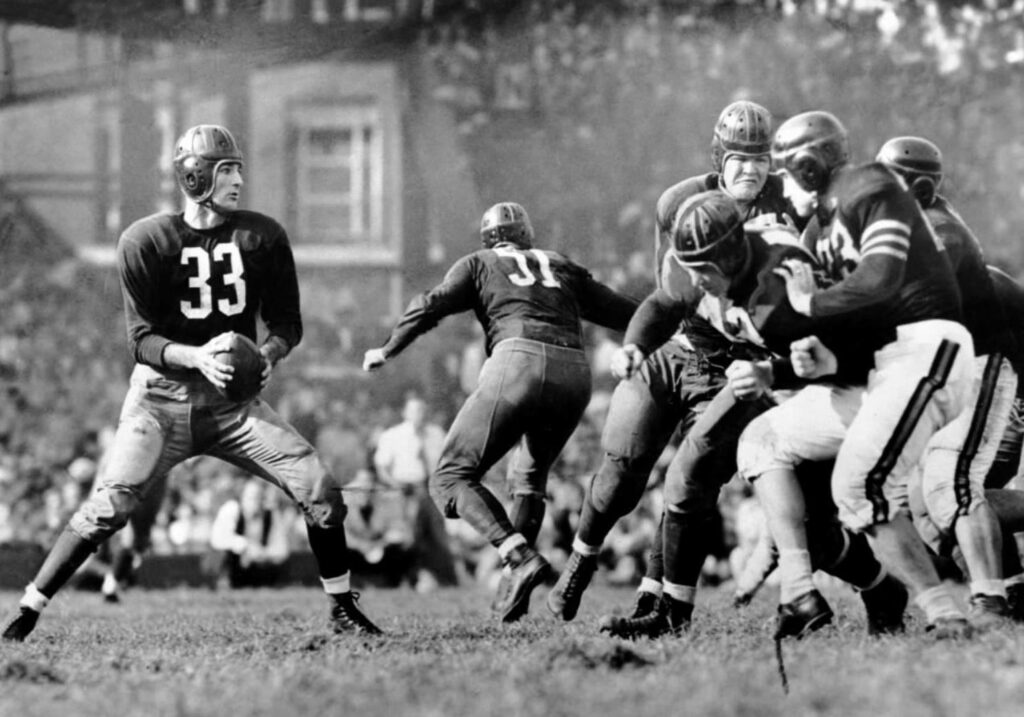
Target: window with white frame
(339,175)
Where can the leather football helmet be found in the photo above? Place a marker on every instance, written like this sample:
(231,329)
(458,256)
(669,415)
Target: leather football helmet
(918,161)
(198,155)
(506,222)
(743,128)
(708,229)
(810,146)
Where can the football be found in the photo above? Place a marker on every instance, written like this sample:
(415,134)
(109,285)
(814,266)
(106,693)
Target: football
(245,357)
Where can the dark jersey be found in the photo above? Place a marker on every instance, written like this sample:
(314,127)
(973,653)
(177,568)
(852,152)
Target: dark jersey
(516,293)
(186,285)
(1010,295)
(887,264)
(756,310)
(769,201)
(982,312)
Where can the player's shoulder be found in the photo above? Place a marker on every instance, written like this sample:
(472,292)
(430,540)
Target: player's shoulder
(942,215)
(673,197)
(862,182)
(261,229)
(157,231)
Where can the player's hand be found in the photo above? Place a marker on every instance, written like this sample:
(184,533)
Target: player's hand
(373,359)
(204,359)
(626,360)
(800,285)
(749,380)
(812,359)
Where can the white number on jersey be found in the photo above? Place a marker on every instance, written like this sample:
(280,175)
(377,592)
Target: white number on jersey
(525,275)
(200,281)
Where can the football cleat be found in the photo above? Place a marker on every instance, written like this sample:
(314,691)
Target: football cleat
(645,603)
(985,611)
(21,625)
(885,604)
(802,616)
(529,569)
(346,617)
(669,617)
(950,628)
(564,598)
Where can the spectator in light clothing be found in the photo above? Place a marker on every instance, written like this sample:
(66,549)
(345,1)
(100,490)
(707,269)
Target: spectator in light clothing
(250,538)
(405,457)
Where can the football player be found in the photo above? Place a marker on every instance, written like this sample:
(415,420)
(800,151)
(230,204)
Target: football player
(735,275)
(533,388)
(190,280)
(959,456)
(895,291)
(678,378)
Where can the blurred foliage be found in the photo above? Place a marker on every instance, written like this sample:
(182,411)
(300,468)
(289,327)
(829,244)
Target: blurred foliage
(586,111)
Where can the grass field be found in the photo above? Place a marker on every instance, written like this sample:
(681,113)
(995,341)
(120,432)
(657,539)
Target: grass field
(191,652)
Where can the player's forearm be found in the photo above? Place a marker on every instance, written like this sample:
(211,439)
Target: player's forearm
(275,348)
(875,280)
(179,355)
(654,322)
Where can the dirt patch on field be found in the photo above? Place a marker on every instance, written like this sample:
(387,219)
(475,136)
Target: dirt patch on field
(591,656)
(25,671)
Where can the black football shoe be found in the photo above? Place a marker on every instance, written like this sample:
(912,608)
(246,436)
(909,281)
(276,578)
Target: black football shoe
(564,598)
(529,569)
(987,611)
(347,618)
(20,625)
(669,617)
(885,604)
(645,603)
(802,616)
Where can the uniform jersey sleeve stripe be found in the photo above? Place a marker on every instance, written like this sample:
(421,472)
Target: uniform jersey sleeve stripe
(885,240)
(884,226)
(888,251)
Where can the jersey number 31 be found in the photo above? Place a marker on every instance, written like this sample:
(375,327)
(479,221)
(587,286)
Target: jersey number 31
(525,276)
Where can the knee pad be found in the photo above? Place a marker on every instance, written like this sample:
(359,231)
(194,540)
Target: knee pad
(685,495)
(104,513)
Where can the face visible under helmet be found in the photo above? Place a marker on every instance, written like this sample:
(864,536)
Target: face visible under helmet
(199,154)
(810,146)
(506,222)
(918,161)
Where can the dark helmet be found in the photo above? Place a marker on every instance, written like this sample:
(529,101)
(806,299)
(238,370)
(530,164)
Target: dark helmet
(918,161)
(743,128)
(506,222)
(708,229)
(810,146)
(198,154)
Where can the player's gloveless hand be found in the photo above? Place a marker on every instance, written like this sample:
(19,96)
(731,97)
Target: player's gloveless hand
(749,380)
(811,358)
(204,358)
(626,360)
(374,359)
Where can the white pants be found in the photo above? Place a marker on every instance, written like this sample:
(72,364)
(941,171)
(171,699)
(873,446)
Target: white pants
(876,433)
(959,456)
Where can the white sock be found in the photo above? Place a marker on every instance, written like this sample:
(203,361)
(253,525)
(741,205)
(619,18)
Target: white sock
(937,602)
(682,593)
(511,543)
(109,585)
(988,587)
(647,585)
(338,585)
(583,549)
(795,574)
(33,599)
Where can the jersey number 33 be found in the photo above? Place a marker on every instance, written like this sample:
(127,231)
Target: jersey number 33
(200,263)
